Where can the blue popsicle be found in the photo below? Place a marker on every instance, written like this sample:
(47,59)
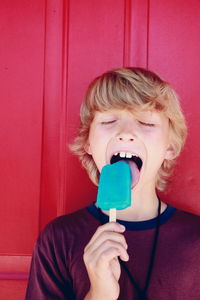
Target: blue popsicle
(114,191)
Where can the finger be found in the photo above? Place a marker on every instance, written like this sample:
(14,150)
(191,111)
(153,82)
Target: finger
(112,226)
(106,252)
(107,236)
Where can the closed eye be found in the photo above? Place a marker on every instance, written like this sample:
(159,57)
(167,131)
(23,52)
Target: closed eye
(108,122)
(147,124)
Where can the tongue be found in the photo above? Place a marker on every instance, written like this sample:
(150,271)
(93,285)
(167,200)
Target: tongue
(134,172)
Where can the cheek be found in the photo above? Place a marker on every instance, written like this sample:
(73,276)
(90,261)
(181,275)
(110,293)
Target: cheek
(96,140)
(156,147)
(158,138)
(97,147)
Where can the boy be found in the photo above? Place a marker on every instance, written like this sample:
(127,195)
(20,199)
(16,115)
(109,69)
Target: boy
(152,251)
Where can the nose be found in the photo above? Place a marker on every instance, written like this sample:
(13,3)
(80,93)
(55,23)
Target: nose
(126,134)
(125,138)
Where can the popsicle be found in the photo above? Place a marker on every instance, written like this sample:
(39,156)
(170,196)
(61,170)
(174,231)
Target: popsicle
(114,191)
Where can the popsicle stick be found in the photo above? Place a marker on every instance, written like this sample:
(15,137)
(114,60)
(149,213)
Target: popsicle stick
(112,215)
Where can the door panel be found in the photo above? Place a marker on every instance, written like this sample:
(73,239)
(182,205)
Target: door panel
(21,85)
(174,49)
(93,48)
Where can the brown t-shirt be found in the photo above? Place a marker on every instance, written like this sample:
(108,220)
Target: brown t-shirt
(58,271)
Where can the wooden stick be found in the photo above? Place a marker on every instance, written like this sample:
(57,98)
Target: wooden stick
(112,215)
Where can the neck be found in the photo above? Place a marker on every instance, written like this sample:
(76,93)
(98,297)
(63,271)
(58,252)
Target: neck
(144,206)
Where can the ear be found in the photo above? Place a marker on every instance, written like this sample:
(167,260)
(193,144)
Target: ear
(87,148)
(171,152)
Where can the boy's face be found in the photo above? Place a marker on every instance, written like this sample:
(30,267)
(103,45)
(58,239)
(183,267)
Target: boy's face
(143,133)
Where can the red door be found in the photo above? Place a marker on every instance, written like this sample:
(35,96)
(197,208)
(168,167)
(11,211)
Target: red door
(50,51)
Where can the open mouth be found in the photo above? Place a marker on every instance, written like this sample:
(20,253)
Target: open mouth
(127,157)
(135,163)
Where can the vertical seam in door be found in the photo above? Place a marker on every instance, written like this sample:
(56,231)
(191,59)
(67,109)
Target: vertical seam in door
(127,32)
(61,205)
(43,115)
(148,24)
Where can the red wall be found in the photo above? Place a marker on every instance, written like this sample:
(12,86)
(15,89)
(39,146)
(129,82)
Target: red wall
(50,51)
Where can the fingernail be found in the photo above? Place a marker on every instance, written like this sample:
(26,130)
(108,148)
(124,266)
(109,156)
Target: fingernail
(122,227)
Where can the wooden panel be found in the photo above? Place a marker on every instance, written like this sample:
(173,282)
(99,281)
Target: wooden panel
(21,84)
(21,120)
(10,264)
(54,130)
(174,48)
(139,25)
(96,44)
(12,289)
(13,276)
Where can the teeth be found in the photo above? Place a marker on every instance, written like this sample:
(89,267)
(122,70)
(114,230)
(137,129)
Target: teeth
(128,155)
(125,154)
(122,154)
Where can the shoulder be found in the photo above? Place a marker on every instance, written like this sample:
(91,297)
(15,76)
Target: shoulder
(180,236)
(69,227)
(186,219)
(78,220)
(186,225)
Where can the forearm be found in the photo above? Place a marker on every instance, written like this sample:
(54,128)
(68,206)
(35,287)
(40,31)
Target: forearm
(93,296)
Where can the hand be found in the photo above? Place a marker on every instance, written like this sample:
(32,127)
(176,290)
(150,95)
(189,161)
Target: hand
(101,261)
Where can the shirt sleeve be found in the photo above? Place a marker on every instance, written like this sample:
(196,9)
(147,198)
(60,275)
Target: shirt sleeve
(49,278)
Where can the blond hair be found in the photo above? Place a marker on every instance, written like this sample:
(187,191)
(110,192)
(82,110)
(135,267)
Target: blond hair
(131,88)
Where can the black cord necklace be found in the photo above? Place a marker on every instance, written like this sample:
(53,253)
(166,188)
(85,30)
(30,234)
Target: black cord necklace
(142,292)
